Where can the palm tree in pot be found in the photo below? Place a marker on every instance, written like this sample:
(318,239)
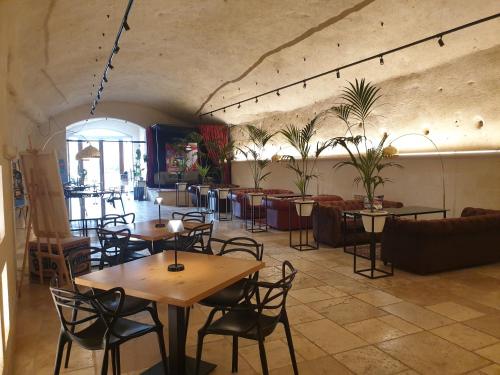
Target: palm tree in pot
(368,160)
(254,155)
(304,167)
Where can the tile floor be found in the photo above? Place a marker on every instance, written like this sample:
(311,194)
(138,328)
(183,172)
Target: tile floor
(342,323)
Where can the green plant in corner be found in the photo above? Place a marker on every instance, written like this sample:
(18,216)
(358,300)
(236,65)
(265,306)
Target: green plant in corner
(368,160)
(254,153)
(305,166)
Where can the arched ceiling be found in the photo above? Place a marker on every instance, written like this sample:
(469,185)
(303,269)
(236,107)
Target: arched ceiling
(187,56)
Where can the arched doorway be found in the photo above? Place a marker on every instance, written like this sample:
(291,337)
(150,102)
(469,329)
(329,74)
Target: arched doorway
(122,146)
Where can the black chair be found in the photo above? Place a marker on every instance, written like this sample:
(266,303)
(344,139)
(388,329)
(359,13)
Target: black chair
(195,216)
(194,240)
(115,195)
(254,321)
(234,293)
(101,328)
(115,248)
(134,244)
(131,305)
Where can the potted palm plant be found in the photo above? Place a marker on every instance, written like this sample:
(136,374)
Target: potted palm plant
(368,160)
(305,166)
(203,171)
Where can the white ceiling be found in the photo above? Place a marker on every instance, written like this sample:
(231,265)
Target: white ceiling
(186,56)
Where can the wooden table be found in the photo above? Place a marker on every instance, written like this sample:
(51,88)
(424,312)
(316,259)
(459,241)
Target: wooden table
(148,278)
(146,230)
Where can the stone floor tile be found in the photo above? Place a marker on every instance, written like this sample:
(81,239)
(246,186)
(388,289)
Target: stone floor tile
(277,354)
(374,330)
(400,324)
(466,337)
(455,311)
(491,352)
(307,295)
(346,310)
(370,361)
(429,354)
(417,315)
(378,298)
(320,366)
(489,324)
(329,336)
(302,314)
(333,292)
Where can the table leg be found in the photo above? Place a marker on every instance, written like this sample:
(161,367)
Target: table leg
(178,363)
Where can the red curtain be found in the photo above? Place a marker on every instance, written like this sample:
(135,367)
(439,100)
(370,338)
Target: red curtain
(150,151)
(219,135)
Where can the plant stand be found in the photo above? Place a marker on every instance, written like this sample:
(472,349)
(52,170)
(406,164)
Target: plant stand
(181,192)
(222,195)
(372,272)
(304,243)
(258,223)
(203,206)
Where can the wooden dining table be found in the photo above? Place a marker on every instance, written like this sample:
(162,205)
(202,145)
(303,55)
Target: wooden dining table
(148,278)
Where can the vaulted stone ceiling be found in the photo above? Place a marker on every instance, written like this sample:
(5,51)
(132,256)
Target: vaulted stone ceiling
(187,56)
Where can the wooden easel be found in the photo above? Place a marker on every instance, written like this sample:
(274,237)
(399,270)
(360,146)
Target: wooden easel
(40,221)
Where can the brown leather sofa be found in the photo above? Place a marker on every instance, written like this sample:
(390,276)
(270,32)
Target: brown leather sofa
(240,205)
(428,246)
(328,223)
(278,211)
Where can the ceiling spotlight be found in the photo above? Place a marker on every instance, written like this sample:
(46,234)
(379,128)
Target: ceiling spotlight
(99,95)
(256,100)
(105,78)
(92,112)
(338,73)
(101,88)
(381,60)
(304,85)
(211,114)
(126,26)
(224,110)
(278,92)
(111,66)
(116,49)
(440,41)
(239,105)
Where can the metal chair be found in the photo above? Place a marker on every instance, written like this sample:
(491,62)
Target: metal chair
(134,245)
(131,305)
(101,328)
(115,195)
(194,240)
(241,246)
(115,247)
(254,321)
(195,216)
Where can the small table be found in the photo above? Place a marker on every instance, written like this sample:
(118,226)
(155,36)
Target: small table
(148,278)
(393,212)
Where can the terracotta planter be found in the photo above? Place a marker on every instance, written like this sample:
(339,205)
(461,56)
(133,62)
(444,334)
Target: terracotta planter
(378,220)
(255,199)
(304,207)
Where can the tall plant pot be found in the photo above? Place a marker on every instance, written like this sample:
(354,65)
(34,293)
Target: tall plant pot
(373,221)
(255,199)
(181,186)
(304,207)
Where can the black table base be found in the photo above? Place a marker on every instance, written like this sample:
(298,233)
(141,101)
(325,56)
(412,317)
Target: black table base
(205,368)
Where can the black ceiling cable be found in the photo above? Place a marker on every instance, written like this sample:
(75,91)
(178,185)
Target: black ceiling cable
(116,48)
(379,56)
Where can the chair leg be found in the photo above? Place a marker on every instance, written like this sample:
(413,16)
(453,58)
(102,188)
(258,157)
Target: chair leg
(263,358)
(290,345)
(74,315)
(118,366)
(161,343)
(113,360)
(234,367)
(199,349)
(123,207)
(188,311)
(60,350)
(104,368)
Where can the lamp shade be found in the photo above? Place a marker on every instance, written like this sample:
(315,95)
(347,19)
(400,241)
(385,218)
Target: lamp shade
(175,226)
(158,200)
(89,152)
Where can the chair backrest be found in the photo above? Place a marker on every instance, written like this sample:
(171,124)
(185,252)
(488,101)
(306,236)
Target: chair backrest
(116,219)
(116,242)
(75,259)
(199,238)
(238,245)
(195,216)
(271,297)
(67,302)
